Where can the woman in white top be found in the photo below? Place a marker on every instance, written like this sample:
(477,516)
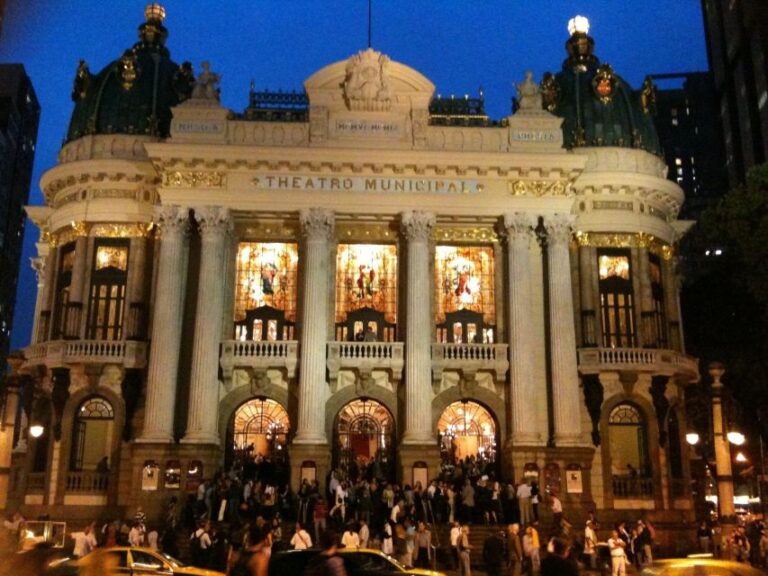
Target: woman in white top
(301,539)
(387,545)
(350,539)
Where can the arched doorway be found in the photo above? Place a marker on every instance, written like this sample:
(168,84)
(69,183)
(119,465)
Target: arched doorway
(628,445)
(364,439)
(257,442)
(92,435)
(467,433)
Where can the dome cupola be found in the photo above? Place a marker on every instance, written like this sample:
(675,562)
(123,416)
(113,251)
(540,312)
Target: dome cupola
(135,93)
(597,106)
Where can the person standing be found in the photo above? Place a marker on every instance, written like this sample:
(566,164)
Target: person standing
(301,539)
(454,538)
(350,539)
(319,515)
(704,535)
(557,509)
(464,550)
(590,544)
(364,533)
(468,501)
(524,501)
(85,541)
(423,546)
(558,562)
(618,556)
(387,544)
(514,550)
(200,544)
(328,562)
(493,554)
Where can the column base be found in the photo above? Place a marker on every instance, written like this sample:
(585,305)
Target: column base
(416,439)
(201,438)
(155,439)
(570,441)
(409,454)
(310,439)
(304,457)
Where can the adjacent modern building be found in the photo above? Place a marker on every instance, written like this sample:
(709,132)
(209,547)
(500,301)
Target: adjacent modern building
(737,44)
(690,136)
(19,117)
(359,274)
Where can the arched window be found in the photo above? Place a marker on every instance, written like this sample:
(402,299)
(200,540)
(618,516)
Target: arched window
(467,430)
(261,428)
(92,435)
(628,444)
(617,307)
(364,434)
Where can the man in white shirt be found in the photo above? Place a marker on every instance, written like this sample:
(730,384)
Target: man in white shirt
(618,556)
(557,509)
(454,538)
(590,543)
(301,539)
(526,507)
(85,541)
(393,515)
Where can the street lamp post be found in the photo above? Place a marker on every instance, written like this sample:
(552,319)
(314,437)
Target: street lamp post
(721,445)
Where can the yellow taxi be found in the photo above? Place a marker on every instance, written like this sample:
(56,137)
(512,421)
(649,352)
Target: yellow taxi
(124,560)
(703,565)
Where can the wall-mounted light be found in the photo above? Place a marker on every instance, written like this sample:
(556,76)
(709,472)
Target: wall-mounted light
(692,438)
(736,438)
(36,430)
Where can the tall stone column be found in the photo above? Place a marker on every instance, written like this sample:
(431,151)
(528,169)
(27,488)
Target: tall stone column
(317,226)
(38,265)
(159,411)
(520,233)
(565,378)
(649,337)
(47,297)
(203,411)
(416,227)
(672,301)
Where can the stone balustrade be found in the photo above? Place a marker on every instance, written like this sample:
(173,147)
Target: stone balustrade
(365,357)
(259,356)
(87,481)
(470,359)
(61,353)
(655,361)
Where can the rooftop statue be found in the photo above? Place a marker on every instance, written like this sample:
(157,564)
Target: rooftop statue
(367,85)
(528,93)
(205,86)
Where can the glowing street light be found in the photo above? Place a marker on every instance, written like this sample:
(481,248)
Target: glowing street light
(736,438)
(36,430)
(692,438)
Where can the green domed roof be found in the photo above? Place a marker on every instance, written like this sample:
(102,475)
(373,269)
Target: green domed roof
(135,93)
(597,106)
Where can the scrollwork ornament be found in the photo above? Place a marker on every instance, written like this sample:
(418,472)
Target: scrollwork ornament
(417,225)
(559,228)
(317,223)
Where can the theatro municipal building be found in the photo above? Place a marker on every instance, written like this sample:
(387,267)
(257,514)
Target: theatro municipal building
(359,274)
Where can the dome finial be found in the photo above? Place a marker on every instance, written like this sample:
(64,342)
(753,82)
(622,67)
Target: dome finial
(154,11)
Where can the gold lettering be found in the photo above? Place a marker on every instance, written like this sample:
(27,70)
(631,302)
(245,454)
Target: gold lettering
(309,183)
(282,182)
(400,185)
(347,182)
(370,184)
(296,182)
(334,183)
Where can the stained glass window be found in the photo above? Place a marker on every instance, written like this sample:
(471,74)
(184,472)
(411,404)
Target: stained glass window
(612,265)
(464,279)
(366,276)
(266,276)
(107,294)
(112,257)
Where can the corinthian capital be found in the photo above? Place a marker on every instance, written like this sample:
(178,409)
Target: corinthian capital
(317,223)
(172,218)
(520,224)
(417,224)
(559,228)
(38,265)
(213,219)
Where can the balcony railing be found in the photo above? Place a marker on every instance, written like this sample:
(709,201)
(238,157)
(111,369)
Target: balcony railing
(259,356)
(36,482)
(664,362)
(632,487)
(59,353)
(87,481)
(365,357)
(469,359)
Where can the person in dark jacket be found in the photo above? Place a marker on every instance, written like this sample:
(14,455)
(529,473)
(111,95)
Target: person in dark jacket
(558,563)
(494,554)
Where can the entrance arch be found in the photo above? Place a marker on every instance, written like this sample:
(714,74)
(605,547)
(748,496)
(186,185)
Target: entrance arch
(257,438)
(364,439)
(468,435)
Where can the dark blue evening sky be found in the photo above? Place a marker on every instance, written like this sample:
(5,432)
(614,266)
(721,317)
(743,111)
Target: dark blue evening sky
(458,45)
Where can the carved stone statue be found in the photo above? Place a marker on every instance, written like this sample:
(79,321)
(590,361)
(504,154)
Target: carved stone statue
(367,85)
(648,96)
(205,86)
(82,82)
(528,93)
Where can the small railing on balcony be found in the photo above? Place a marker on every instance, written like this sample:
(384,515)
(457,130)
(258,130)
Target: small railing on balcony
(469,358)
(87,481)
(366,357)
(36,482)
(259,355)
(131,354)
(656,361)
(632,487)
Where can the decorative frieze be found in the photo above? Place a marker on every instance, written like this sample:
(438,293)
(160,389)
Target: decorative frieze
(194,179)
(638,240)
(540,188)
(485,233)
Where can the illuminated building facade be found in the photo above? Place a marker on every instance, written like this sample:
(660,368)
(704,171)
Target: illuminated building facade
(359,275)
